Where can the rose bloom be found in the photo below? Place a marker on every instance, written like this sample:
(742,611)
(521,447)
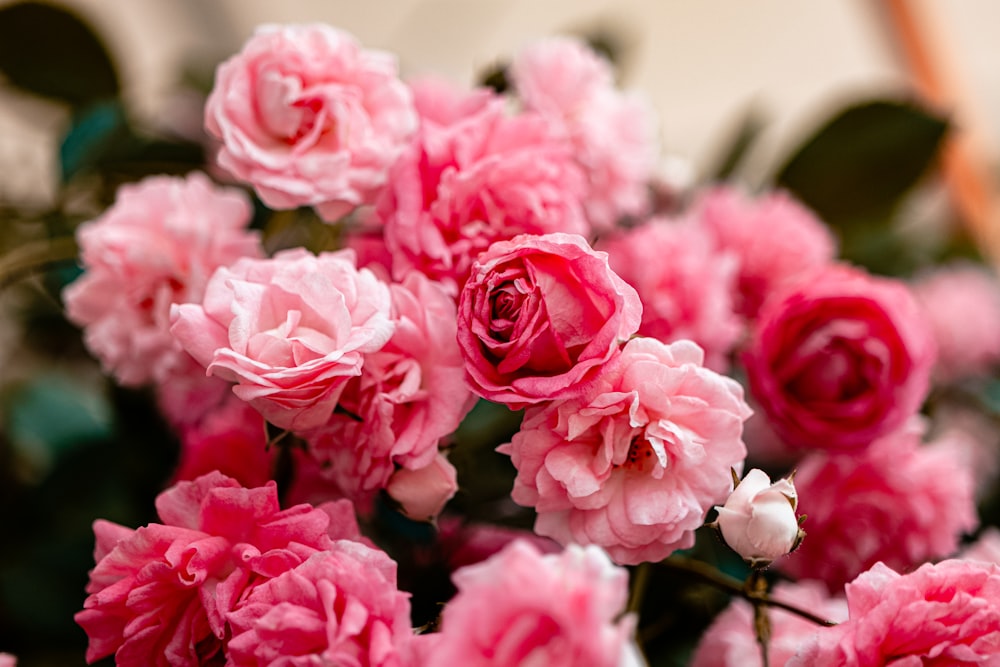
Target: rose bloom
(985,549)
(475,176)
(309,118)
(157,245)
(158,595)
(758,520)
(689,296)
(731,642)
(540,316)
(290,331)
(613,134)
(840,358)
(963,306)
(410,395)
(943,615)
(775,238)
(898,502)
(636,463)
(339,607)
(521,607)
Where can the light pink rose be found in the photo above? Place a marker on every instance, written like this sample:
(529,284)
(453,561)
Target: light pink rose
(963,306)
(473,177)
(635,464)
(309,118)
(410,395)
(290,331)
(775,238)
(840,358)
(540,316)
(8,660)
(943,615)
(985,549)
(159,594)
(758,520)
(690,296)
(731,641)
(898,502)
(613,133)
(339,607)
(521,607)
(423,493)
(157,245)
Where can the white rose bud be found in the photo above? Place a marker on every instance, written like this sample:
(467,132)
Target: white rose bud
(758,520)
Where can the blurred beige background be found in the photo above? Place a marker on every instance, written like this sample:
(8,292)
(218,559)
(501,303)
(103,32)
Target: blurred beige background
(703,63)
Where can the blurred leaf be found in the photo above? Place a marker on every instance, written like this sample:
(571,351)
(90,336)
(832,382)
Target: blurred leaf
(858,164)
(51,52)
(93,131)
(737,146)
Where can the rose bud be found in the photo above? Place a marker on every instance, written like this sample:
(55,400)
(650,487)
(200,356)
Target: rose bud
(758,520)
(423,493)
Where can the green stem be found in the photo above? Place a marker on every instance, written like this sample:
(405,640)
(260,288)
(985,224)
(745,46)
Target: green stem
(640,583)
(35,256)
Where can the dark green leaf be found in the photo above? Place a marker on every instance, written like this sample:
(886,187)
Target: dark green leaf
(92,133)
(735,149)
(50,51)
(857,165)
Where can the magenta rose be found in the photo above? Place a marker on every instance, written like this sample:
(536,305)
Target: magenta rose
(943,615)
(309,118)
(290,331)
(539,316)
(840,358)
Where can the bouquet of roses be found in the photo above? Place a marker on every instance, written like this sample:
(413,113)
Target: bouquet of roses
(504,266)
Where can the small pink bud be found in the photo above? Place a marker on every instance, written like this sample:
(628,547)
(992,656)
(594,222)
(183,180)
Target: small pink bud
(422,493)
(758,520)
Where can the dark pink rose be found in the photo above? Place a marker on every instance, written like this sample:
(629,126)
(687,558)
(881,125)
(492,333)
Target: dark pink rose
(290,331)
(943,615)
(539,316)
(157,245)
(309,118)
(840,358)
(634,464)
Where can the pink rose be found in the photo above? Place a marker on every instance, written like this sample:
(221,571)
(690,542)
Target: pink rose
(985,549)
(689,297)
(635,464)
(897,502)
(775,238)
(290,331)
(963,306)
(943,615)
(613,134)
(157,245)
(539,317)
(423,493)
(159,594)
(410,395)
(840,358)
(731,642)
(469,543)
(524,608)
(339,607)
(309,118)
(758,520)
(473,177)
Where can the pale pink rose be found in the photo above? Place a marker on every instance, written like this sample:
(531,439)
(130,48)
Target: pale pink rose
(157,245)
(613,133)
(339,607)
(840,358)
(540,316)
(158,595)
(973,438)
(897,501)
(758,520)
(963,306)
(186,395)
(290,331)
(687,296)
(731,641)
(423,493)
(943,615)
(8,660)
(775,238)
(310,118)
(410,395)
(985,549)
(635,464)
(521,607)
(475,176)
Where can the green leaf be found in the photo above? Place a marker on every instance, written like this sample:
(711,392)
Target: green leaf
(736,147)
(92,133)
(857,166)
(51,52)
